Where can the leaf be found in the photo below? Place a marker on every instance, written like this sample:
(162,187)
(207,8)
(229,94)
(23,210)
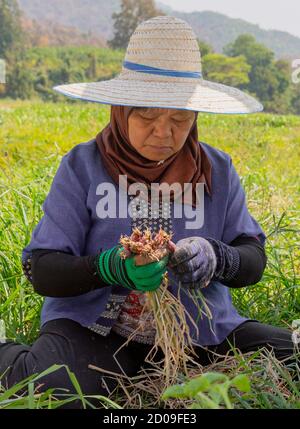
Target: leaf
(176,391)
(31,396)
(199,384)
(214,377)
(76,385)
(215,396)
(241,382)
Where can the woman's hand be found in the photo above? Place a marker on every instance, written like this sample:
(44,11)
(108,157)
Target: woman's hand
(134,272)
(194,262)
(146,277)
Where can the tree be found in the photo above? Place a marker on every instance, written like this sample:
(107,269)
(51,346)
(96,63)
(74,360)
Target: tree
(226,70)
(20,81)
(256,53)
(282,100)
(11,33)
(91,71)
(283,69)
(295,89)
(267,78)
(132,13)
(205,48)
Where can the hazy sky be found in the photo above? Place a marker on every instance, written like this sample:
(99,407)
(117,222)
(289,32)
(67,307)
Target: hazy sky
(269,14)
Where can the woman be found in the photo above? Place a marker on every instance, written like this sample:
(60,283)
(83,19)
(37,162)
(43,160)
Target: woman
(93,296)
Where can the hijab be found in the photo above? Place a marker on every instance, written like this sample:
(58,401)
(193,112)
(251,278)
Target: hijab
(189,165)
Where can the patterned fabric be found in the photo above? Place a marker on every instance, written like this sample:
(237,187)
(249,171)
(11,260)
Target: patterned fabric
(144,216)
(26,266)
(131,318)
(111,312)
(108,317)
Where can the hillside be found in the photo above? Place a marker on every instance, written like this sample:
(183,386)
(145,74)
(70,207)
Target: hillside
(219,30)
(49,33)
(86,15)
(94,16)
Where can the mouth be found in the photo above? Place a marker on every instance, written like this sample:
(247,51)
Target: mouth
(161,148)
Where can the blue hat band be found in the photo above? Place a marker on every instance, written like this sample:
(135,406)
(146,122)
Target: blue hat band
(140,68)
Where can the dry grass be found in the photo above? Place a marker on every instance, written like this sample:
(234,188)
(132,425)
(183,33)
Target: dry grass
(269,377)
(170,316)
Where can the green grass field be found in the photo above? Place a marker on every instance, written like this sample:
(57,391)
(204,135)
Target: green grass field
(266,153)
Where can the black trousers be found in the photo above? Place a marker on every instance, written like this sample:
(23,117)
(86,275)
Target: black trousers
(66,342)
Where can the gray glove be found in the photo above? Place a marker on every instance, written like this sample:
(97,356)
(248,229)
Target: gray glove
(194,262)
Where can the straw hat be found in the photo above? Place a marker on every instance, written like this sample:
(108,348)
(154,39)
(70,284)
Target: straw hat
(162,68)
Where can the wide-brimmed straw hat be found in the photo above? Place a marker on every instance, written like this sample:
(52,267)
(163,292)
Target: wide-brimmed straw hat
(162,68)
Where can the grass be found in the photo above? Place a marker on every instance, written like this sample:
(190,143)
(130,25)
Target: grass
(25,395)
(265,150)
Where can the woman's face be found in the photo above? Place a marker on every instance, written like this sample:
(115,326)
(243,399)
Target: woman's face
(157,133)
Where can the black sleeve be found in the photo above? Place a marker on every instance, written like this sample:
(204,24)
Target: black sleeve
(253,261)
(241,263)
(59,274)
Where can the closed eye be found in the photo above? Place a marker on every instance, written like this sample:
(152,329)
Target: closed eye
(180,121)
(146,119)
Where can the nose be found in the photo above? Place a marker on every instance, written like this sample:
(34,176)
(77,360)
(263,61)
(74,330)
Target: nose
(162,128)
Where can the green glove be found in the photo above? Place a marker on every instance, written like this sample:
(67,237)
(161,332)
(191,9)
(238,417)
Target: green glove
(112,269)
